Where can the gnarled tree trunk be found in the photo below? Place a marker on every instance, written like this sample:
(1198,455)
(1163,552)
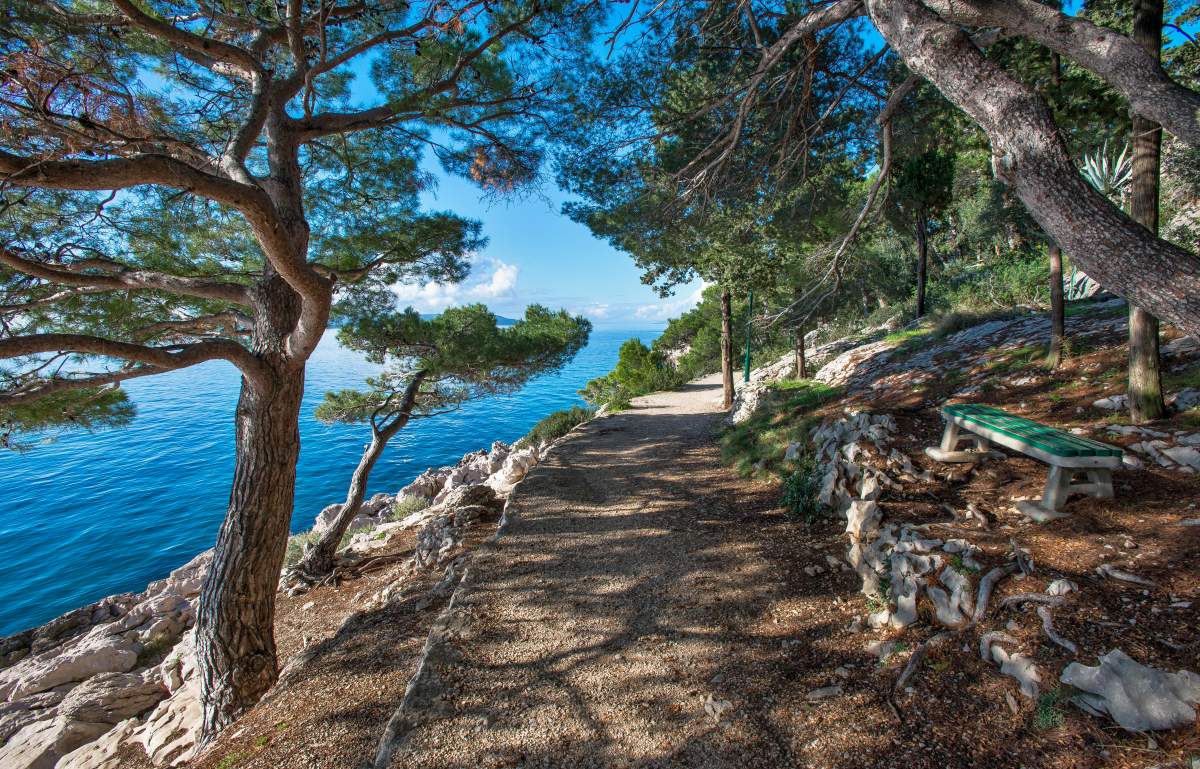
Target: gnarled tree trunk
(319,560)
(922,261)
(727,348)
(235,639)
(1145,378)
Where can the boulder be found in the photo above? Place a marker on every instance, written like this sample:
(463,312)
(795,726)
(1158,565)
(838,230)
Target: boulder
(1137,697)
(16,715)
(1113,403)
(427,484)
(110,698)
(92,656)
(1187,399)
(478,495)
(41,744)
(517,465)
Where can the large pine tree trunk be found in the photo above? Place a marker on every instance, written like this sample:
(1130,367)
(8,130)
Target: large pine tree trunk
(1145,378)
(727,348)
(235,639)
(922,262)
(1058,310)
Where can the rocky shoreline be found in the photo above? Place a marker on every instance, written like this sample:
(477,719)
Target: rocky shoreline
(120,672)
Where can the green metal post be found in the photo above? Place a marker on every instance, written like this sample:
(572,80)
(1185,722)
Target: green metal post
(749,318)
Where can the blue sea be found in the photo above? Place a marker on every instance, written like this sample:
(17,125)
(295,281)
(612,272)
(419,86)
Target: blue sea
(91,515)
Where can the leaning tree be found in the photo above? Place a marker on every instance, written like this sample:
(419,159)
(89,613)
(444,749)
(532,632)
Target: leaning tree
(431,366)
(186,181)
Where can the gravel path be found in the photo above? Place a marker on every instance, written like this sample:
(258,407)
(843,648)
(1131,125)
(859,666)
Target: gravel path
(628,587)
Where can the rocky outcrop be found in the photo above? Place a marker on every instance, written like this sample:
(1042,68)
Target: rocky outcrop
(72,680)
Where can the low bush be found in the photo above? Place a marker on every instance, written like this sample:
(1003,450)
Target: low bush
(639,371)
(801,490)
(406,506)
(297,544)
(556,425)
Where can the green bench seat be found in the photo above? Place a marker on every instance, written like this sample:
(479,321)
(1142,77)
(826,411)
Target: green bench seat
(1066,454)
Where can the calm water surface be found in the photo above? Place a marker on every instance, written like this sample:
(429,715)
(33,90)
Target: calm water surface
(92,515)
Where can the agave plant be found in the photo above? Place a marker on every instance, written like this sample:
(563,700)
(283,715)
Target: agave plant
(1107,174)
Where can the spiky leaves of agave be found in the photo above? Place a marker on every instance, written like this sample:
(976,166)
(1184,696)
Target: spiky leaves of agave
(1109,175)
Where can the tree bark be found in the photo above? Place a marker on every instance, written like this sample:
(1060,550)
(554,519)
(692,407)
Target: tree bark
(727,349)
(235,625)
(1058,310)
(1145,378)
(235,640)
(1029,155)
(922,262)
(319,560)
(801,356)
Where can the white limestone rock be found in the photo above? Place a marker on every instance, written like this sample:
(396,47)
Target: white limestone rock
(1138,697)
(862,519)
(1019,667)
(1112,403)
(1061,587)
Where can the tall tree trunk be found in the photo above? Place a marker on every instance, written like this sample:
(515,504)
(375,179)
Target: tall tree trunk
(319,560)
(922,262)
(727,348)
(235,623)
(1058,310)
(235,639)
(1145,378)
(801,357)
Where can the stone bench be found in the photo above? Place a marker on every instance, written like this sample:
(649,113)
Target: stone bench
(1068,455)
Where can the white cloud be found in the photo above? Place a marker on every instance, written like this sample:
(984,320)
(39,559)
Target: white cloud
(597,311)
(496,281)
(671,307)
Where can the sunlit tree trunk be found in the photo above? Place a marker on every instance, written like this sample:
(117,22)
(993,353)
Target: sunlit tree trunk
(319,560)
(1145,378)
(727,348)
(1058,310)
(235,640)
(801,356)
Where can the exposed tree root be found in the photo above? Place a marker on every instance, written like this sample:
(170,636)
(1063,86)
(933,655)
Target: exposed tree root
(986,586)
(1020,598)
(1048,627)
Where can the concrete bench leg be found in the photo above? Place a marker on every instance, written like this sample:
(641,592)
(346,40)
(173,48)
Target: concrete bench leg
(1059,487)
(1101,481)
(948,451)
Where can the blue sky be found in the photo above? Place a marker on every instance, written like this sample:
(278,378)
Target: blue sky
(535,254)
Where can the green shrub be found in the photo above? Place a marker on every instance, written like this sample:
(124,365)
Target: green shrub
(406,506)
(556,425)
(1049,713)
(639,371)
(757,445)
(800,491)
(297,543)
